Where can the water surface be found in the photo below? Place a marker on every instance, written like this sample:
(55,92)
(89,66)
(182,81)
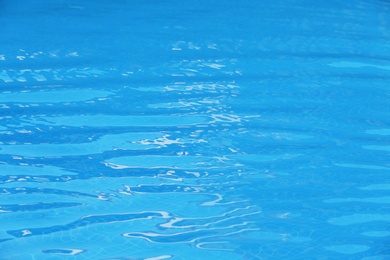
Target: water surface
(194,130)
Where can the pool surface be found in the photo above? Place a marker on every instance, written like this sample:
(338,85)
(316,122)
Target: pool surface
(194,129)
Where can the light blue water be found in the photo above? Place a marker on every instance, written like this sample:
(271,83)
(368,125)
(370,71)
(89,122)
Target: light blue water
(194,129)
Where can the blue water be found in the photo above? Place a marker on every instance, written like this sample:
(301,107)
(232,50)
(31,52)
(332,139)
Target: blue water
(194,129)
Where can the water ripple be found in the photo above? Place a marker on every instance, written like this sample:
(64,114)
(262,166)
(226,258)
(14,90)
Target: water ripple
(89,220)
(208,130)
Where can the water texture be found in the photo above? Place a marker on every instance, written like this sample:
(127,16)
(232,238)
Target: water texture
(194,129)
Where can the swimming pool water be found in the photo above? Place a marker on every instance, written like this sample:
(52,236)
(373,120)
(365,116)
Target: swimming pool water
(194,129)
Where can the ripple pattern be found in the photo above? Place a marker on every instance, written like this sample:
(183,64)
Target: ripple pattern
(209,130)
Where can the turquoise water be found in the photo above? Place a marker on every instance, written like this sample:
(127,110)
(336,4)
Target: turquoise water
(194,129)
